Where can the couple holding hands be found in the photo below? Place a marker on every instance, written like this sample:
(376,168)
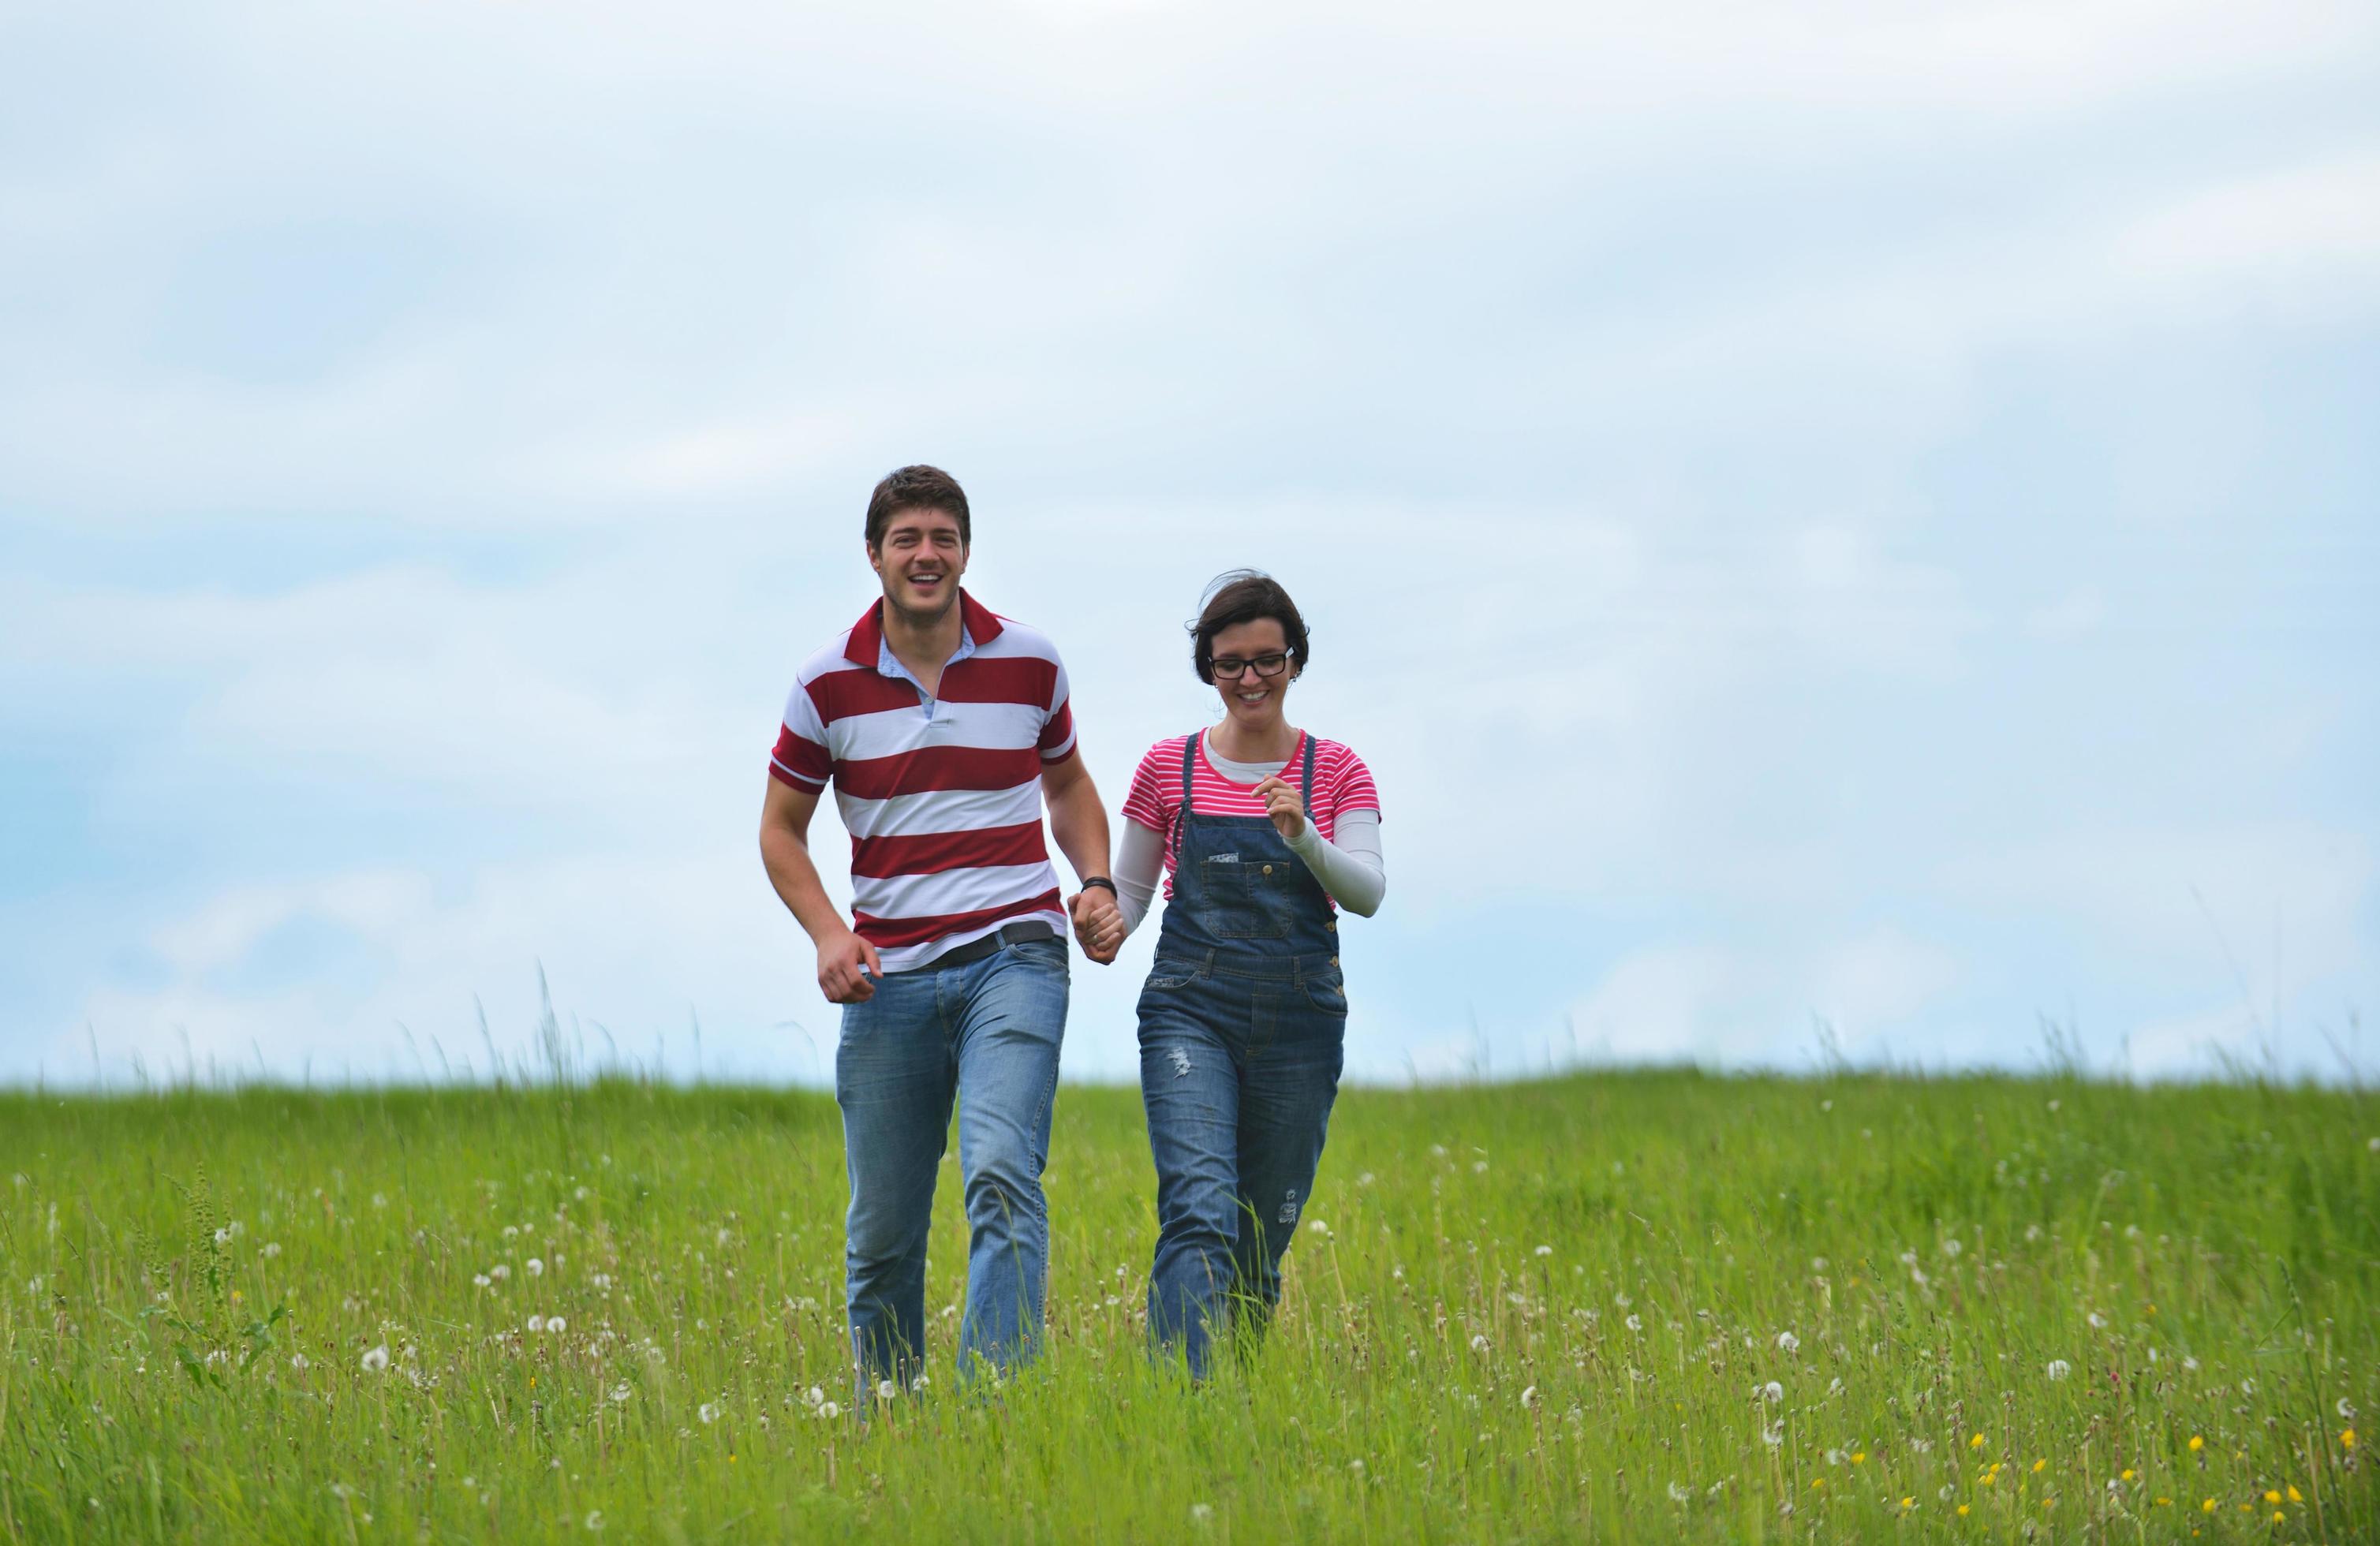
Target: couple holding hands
(944,729)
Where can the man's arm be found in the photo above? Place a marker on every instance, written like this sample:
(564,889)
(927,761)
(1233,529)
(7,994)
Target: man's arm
(785,852)
(1081,828)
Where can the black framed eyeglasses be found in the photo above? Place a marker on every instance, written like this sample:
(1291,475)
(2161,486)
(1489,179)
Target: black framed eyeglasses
(1229,667)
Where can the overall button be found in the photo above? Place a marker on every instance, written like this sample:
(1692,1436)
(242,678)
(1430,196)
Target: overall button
(1332,926)
(1335,960)
(1267,869)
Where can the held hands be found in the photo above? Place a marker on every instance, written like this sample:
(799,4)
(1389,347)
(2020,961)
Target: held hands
(841,960)
(1098,926)
(1281,803)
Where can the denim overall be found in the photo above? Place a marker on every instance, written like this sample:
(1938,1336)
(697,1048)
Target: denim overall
(1243,1030)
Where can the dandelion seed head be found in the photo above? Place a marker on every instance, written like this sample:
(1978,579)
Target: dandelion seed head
(376,1360)
(1788,1342)
(2059,1369)
(536,1266)
(1773,1393)
(708,1412)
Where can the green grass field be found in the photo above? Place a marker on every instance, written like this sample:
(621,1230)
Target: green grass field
(1614,1305)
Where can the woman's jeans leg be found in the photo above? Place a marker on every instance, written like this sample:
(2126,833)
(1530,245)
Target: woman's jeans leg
(1238,1077)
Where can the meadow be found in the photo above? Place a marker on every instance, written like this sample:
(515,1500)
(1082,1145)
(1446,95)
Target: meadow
(1620,1305)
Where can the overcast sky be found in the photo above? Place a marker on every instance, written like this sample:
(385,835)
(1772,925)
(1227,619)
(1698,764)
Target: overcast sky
(1834,520)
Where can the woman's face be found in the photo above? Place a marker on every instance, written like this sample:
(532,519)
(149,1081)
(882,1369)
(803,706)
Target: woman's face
(1249,696)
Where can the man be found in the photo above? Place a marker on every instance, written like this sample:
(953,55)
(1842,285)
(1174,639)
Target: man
(943,727)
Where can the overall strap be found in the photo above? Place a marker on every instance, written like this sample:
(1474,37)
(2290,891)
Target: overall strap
(1305,780)
(1182,812)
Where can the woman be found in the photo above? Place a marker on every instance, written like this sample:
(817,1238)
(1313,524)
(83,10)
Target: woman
(1262,832)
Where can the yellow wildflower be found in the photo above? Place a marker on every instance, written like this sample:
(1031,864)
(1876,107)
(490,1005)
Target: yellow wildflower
(2039,1466)
(1963,1511)
(2272,1495)
(2296,1496)
(1908,1503)
(1975,1442)
(2278,1516)
(2196,1443)
(2346,1440)
(2207,1507)
(1859,1457)
(2128,1473)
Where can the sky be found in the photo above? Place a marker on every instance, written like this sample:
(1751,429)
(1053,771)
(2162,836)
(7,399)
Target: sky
(1844,531)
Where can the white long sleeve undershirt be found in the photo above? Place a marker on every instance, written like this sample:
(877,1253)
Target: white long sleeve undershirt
(1351,869)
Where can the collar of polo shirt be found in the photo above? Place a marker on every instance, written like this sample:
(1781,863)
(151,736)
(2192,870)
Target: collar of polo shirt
(868,633)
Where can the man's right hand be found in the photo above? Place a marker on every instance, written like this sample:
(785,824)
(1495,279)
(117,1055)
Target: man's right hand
(840,958)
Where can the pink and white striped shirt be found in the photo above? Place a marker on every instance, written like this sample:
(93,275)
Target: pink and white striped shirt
(1342,783)
(942,796)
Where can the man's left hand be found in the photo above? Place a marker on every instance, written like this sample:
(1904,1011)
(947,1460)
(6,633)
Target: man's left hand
(1099,925)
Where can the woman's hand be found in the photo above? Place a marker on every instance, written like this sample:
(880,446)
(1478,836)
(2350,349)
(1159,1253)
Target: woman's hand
(1282,803)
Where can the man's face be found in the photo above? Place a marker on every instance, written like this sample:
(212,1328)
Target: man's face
(920,559)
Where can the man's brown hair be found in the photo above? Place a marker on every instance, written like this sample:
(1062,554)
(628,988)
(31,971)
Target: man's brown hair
(1244,596)
(917,487)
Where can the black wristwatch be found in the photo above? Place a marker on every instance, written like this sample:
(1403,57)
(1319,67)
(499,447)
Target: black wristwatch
(1102,881)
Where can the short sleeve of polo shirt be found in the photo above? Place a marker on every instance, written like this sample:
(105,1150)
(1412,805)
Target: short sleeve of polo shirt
(801,760)
(1057,740)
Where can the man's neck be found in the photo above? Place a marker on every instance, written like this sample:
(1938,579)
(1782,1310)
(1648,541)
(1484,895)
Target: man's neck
(923,642)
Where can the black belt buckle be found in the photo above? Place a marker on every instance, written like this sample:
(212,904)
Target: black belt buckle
(976,949)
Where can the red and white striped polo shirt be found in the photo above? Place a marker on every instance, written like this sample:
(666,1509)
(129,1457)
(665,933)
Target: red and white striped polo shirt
(942,798)
(1342,783)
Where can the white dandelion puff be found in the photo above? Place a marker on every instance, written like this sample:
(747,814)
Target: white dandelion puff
(500,1271)
(831,1411)
(536,1267)
(886,1390)
(299,1362)
(708,1412)
(595,1520)
(2095,1320)
(1201,1513)
(1680,1494)
(2059,1369)
(555,1326)
(376,1360)
(1773,1435)
(536,1324)
(1772,1393)
(2347,1408)
(1529,1398)
(1479,1342)
(1544,1250)
(813,1396)
(1788,1342)
(1635,1323)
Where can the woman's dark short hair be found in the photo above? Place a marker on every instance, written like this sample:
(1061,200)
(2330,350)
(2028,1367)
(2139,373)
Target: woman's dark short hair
(915,487)
(1244,596)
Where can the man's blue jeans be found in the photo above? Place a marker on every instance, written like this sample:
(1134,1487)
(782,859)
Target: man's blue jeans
(987,1032)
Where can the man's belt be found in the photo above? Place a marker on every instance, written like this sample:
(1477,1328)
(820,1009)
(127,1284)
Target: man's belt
(976,949)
